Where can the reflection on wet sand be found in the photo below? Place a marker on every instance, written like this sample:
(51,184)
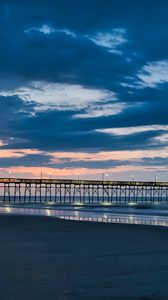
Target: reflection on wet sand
(89,216)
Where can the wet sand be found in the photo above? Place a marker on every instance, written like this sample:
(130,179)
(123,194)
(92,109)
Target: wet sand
(45,258)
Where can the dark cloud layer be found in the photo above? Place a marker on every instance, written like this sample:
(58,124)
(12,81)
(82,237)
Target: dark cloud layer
(68,54)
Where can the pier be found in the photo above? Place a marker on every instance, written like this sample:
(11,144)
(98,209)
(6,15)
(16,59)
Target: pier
(64,191)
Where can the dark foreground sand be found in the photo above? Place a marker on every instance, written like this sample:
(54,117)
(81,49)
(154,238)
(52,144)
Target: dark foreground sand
(42,258)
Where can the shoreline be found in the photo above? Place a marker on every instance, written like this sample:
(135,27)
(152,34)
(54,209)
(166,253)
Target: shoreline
(115,216)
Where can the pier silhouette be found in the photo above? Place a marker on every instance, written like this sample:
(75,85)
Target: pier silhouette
(21,190)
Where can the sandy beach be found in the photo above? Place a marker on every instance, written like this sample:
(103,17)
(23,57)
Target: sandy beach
(47,258)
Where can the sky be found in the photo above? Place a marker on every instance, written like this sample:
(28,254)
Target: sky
(84,89)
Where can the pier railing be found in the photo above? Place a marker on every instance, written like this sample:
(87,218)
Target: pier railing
(20,190)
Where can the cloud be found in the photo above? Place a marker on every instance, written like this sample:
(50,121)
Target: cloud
(100,110)
(108,155)
(61,160)
(110,40)
(48,29)
(45,51)
(163,138)
(133,130)
(69,156)
(56,96)
(2,143)
(12,111)
(154,73)
(17,153)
